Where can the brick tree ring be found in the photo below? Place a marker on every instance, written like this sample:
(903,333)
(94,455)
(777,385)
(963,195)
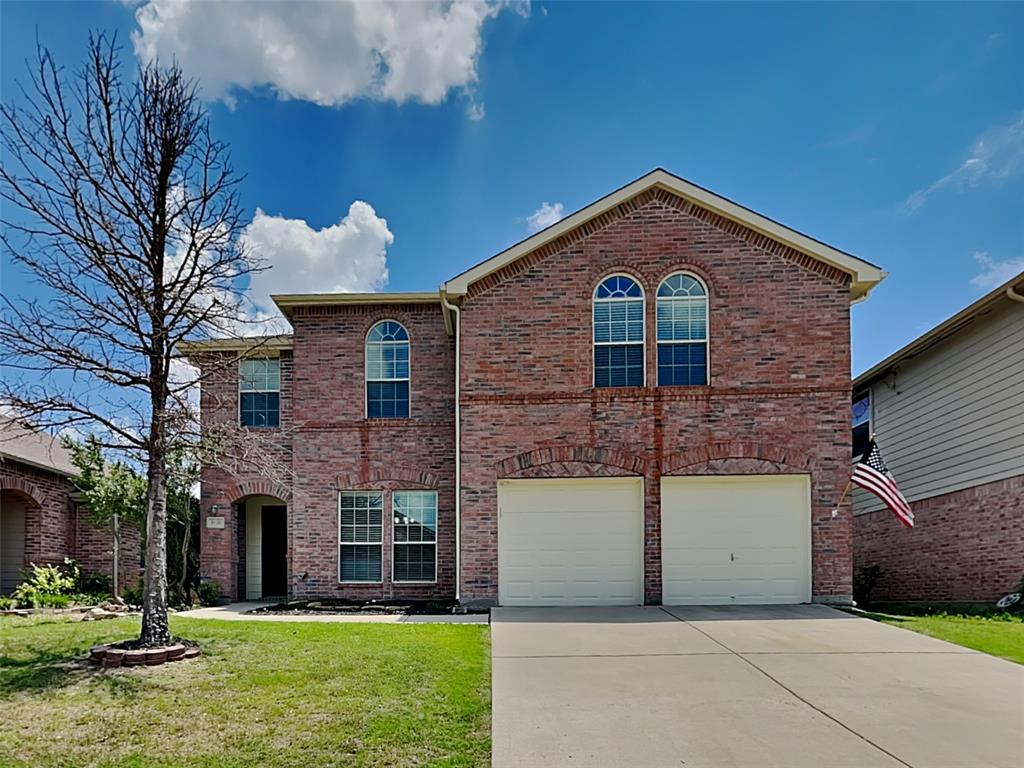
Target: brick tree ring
(111,656)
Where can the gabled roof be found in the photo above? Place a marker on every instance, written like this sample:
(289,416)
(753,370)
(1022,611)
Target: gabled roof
(1011,290)
(864,275)
(37,449)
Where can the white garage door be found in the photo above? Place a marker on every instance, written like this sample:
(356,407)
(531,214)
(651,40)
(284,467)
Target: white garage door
(736,539)
(570,542)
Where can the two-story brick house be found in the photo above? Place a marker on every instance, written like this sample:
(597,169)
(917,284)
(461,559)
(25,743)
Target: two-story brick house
(646,402)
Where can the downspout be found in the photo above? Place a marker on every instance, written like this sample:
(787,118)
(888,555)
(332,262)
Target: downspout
(454,309)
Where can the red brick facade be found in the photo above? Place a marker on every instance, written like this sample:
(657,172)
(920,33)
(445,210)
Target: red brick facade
(965,546)
(56,527)
(778,399)
(332,447)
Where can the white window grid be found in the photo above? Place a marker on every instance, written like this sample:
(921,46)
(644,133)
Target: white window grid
(625,300)
(381,345)
(247,383)
(677,301)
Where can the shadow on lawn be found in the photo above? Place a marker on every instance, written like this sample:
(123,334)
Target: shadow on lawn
(47,670)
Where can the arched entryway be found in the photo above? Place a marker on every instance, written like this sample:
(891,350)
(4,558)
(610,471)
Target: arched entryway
(16,508)
(262,545)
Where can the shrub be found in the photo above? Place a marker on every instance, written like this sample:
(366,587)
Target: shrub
(43,582)
(209,593)
(96,584)
(7,603)
(133,595)
(864,582)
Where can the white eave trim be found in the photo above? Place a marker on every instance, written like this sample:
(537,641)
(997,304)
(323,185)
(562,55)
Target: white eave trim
(864,275)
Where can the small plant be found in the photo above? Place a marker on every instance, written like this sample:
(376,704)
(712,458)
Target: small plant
(96,583)
(133,595)
(43,582)
(209,593)
(7,603)
(864,582)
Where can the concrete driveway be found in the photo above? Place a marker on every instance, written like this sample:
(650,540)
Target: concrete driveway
(783,687)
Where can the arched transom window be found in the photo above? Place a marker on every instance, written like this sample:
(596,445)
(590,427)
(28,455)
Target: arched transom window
(387,371)
(619,333)
(682,315)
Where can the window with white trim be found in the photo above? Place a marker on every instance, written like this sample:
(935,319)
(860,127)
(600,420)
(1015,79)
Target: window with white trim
(361,535)
(619,333)
(414,556)
(259,392)
(682,320)
(387,371)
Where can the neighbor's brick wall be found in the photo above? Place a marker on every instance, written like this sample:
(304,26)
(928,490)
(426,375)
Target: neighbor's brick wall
(331,446)
(778,399)
(965,546)
(56,528)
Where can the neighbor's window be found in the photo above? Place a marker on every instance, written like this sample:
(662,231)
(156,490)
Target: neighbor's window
(387,371)
(619,333)
(259,392)
(415,539)
(682,318)
(861,425)
(360,531)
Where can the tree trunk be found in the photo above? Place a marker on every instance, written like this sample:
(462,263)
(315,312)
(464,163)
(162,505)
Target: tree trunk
(155,628)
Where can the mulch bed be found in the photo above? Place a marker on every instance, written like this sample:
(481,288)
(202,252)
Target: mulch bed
(337,606)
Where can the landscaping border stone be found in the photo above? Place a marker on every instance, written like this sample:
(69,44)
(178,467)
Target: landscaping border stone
(110,656)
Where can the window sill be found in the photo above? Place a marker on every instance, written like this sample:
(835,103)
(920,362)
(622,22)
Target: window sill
(413,583)
(360,583)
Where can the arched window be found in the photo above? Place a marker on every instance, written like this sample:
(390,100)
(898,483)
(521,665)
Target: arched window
(682,310)
(387,371)
(619,333)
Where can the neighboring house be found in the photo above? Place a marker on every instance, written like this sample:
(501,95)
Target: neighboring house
(40,520)
(947,411)
(645,402)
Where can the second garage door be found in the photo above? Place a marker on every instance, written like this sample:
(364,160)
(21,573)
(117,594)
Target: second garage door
(735,539)
(570,542)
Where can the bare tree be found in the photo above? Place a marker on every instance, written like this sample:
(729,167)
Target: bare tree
(120,204)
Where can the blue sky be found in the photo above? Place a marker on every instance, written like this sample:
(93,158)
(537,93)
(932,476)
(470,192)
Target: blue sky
(895,132)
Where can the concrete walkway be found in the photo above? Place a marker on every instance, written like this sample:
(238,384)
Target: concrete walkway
(239,612)
(781,687)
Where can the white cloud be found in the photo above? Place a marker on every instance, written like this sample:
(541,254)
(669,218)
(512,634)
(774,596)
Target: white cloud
(475,111)
(995,272)
(328,53)
(544,216)
(994,156)
(350,256)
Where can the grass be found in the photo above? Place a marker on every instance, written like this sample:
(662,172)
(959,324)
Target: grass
(997,633)
(263,693)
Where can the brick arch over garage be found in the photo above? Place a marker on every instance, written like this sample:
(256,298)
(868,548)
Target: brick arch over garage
(8,483)
(571,461)
(261,487)
(736,457)
(373,476)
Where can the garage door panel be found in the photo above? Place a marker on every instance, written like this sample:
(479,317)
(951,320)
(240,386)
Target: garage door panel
(570,542)
(735,539)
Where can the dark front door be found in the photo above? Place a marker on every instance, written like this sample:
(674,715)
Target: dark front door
(274,541)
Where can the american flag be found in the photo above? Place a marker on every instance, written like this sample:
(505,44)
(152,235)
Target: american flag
(871,474)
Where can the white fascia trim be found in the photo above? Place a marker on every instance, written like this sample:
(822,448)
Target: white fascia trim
(865,275)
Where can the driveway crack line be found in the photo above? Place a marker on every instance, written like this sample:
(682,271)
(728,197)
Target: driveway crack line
(793,693)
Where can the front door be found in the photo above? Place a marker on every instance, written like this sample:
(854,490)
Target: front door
(275,551)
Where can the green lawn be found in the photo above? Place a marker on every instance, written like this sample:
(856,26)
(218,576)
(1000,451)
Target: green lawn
(263,694)
(997,634)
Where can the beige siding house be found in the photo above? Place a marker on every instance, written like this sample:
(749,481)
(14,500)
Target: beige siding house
(947,411)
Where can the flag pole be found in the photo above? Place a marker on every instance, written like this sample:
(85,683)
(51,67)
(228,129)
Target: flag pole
(849,483)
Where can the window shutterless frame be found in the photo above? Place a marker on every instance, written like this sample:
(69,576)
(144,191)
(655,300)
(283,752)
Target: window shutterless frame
(395,543)
(264,391)
(379,542)
(381,344)
(642,342)
(687,298)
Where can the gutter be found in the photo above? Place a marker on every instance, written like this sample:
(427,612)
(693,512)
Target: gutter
(454,309)
(1012,295)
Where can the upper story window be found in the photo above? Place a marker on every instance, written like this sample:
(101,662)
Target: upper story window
(861,425)
(259,392)
(387,371)
(619,333)
(682,318)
